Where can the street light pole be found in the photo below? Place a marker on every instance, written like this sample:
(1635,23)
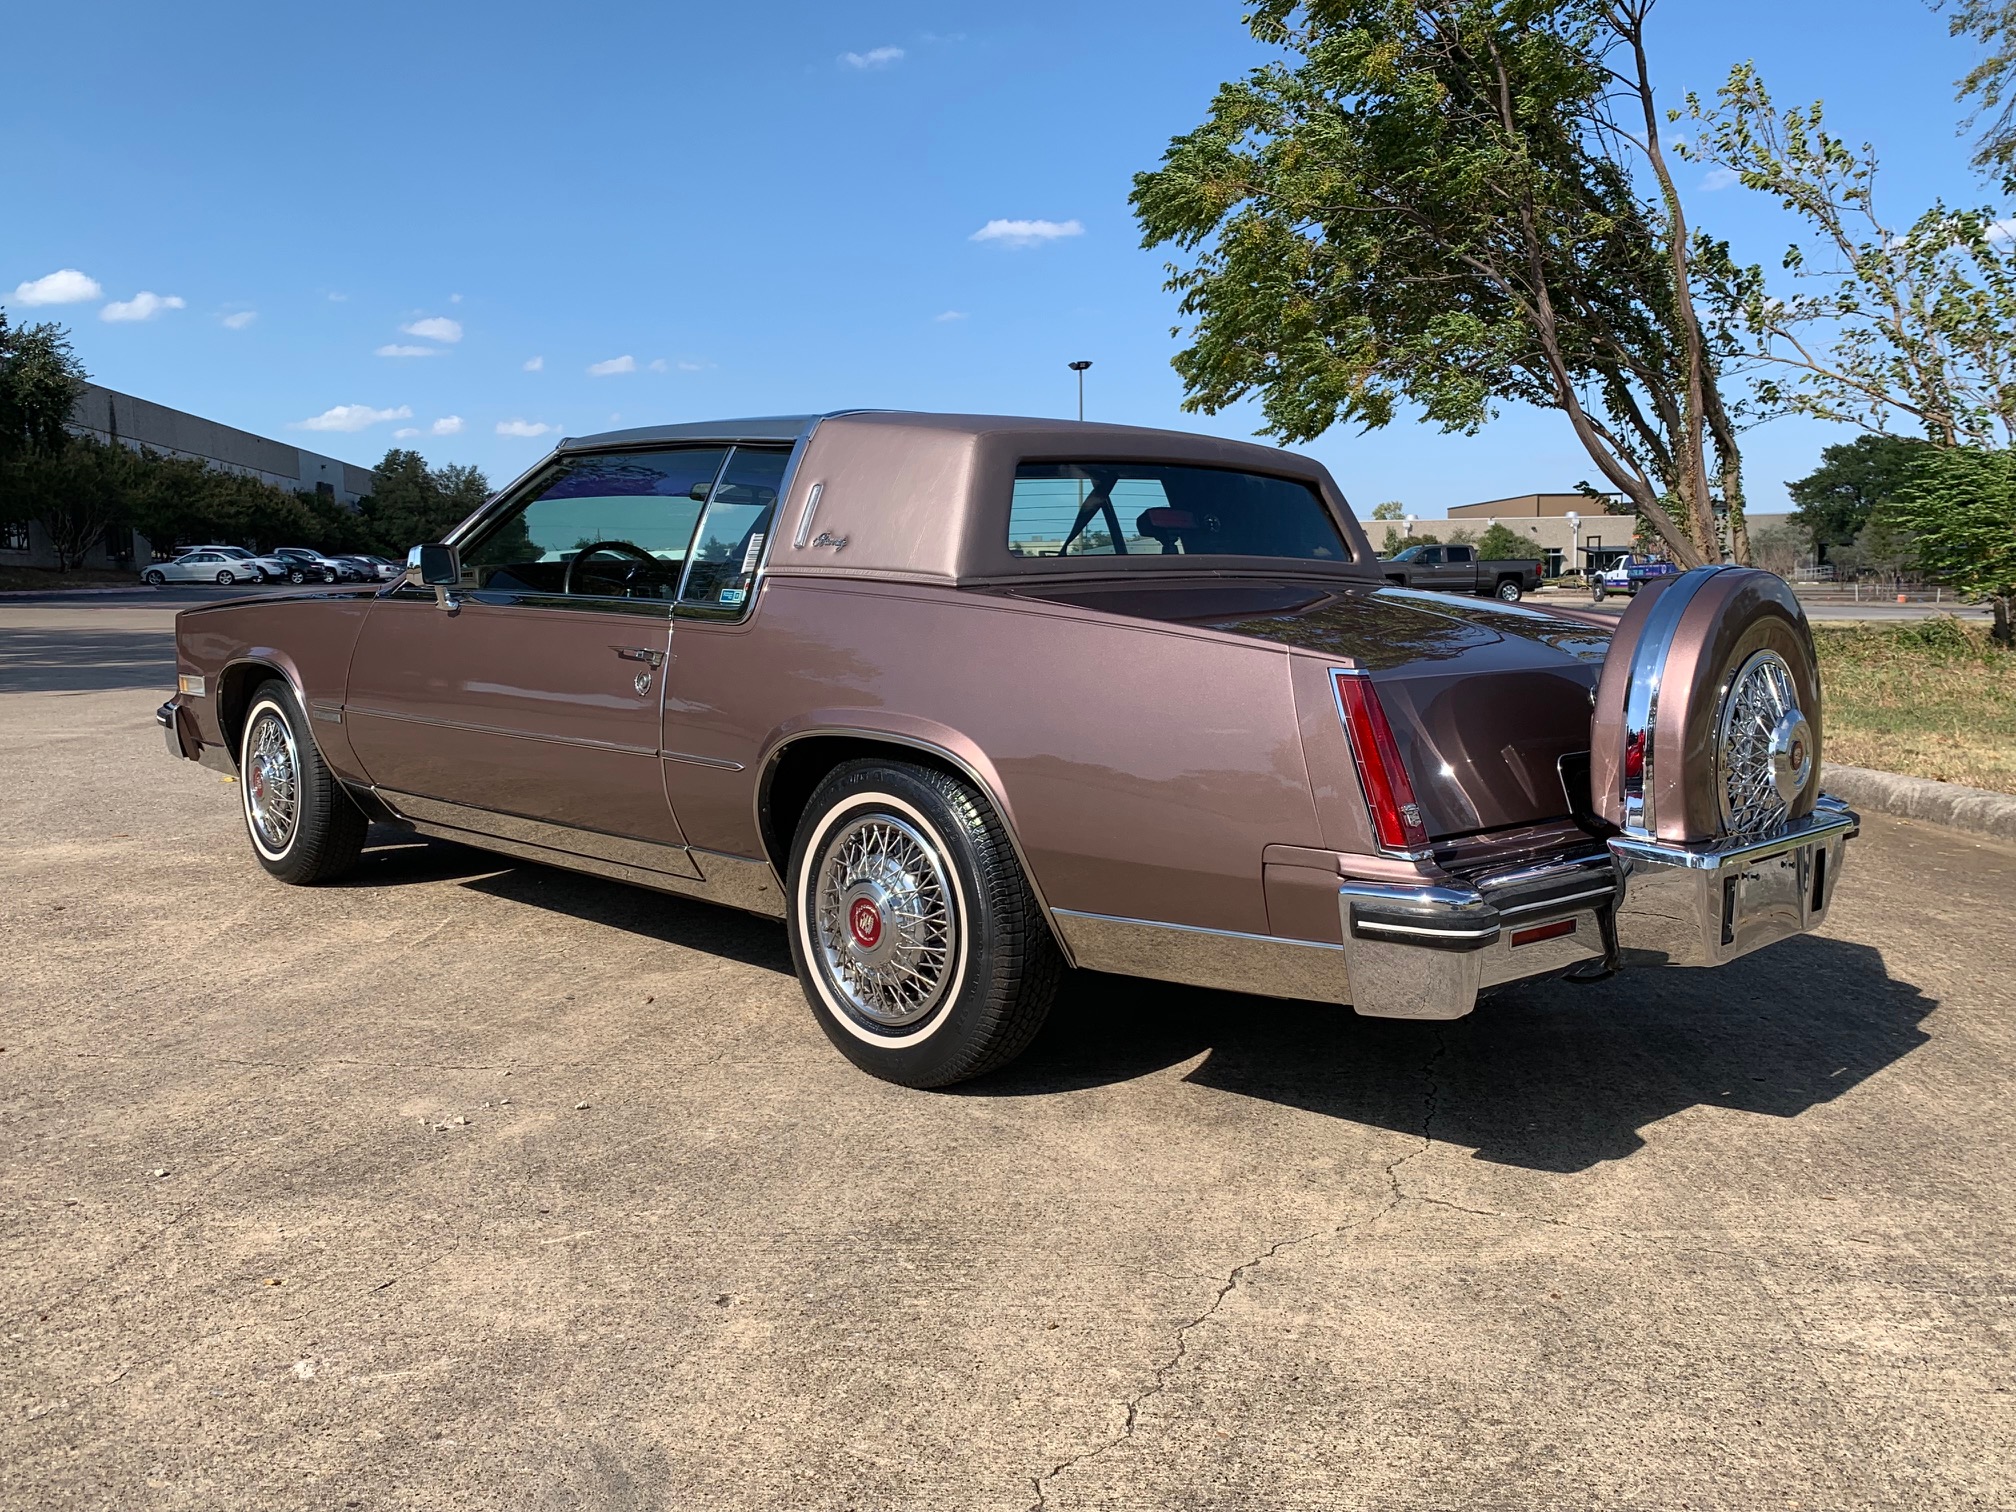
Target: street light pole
(1079,369)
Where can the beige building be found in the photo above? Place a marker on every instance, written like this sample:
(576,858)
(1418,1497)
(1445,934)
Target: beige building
(1565,529)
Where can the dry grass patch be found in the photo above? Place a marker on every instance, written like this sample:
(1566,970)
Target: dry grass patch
(1931,699)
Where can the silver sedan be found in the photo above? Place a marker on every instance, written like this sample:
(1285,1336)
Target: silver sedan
(202,567)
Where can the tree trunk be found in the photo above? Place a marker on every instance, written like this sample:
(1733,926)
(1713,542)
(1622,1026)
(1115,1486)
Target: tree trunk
(2002,634)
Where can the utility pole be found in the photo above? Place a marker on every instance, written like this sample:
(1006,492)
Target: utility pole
(1079,369)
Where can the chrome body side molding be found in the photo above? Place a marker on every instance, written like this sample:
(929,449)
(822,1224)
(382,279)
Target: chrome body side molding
(710,876)
(1263,964)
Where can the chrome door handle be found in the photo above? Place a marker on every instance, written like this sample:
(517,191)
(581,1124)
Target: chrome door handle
(640,653)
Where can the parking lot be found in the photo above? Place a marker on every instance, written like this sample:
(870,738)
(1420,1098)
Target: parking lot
(474,1184)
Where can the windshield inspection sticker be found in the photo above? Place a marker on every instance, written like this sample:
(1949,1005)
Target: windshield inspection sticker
(755,550)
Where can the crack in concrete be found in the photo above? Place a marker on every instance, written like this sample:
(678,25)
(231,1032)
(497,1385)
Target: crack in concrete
(1133,1405)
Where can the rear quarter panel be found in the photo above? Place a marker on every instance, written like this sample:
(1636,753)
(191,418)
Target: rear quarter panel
(1145,769)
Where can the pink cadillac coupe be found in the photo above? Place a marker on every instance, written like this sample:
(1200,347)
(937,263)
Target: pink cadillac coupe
(966,700)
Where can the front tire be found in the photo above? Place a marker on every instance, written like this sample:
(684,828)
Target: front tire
(303,827)
(296,576)
(921,949)
(226,579)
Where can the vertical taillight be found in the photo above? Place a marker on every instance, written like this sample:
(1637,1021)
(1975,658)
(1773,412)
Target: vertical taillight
(1396,818)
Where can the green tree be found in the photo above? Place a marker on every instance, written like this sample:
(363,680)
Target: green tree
(1960,509)
(1834,501)
(1502,543)
(1880,324)
(1992,81)
(1392,509)
(76,494)
(1438,202)
(413,503)
(40,381)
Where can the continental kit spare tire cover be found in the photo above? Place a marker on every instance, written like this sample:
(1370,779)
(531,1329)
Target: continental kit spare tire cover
(1707,718)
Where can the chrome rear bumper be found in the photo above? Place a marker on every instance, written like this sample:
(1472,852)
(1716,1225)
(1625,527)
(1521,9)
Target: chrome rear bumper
(1426,952)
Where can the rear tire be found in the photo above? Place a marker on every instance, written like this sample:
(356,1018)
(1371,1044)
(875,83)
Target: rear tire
(153,579)
(303,827)
(1510,591)
(922,951)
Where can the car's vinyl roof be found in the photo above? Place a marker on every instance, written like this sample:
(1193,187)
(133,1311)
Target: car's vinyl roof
(757,428)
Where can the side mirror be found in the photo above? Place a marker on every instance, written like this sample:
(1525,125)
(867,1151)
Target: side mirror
(440,568)
(435,566)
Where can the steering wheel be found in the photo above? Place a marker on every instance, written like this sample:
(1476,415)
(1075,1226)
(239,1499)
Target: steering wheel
(612,548)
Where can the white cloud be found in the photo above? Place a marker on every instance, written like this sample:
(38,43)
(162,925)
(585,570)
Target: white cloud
(658,365)
(448,425)
(693,367)
(454,299)
(624,364)
(64,286)
(405,433)
(435,328)
(352,417)
(875,57)
(395,349)
(949,315)
(1719,178)
(1026,233)
(522,428)
(142,306)
(2002,231)
(335,298)
(237,320)
(533,364)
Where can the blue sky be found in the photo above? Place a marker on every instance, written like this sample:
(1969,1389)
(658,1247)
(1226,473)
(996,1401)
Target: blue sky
(421,214)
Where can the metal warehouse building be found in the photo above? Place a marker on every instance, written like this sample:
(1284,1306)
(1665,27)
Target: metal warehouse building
(111,416)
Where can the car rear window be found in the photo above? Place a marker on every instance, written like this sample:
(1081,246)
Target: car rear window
(1074,509)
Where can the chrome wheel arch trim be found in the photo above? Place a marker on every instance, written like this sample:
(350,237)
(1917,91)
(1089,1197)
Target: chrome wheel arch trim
(1641,699)
(767,767)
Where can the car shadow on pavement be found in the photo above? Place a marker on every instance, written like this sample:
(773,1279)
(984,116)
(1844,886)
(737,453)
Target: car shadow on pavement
(86,661)
(1547,1076)
(665,917)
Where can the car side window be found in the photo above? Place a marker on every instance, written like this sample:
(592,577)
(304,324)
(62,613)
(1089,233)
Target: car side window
(604,525)
(1431,556)
(1459,553)
(729,544)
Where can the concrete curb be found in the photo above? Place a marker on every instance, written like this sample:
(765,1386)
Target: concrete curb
(1975,810)
(70,592)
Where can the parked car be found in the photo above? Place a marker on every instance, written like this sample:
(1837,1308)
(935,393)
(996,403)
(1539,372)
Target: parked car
(304,565)
(268,568)
(371,568)
(966,700)
(1457,569)
(1628,574)
(222,565)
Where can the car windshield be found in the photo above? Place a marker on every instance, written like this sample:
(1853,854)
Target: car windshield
(1074,509)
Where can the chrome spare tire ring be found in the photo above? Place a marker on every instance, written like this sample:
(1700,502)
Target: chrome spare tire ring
(272,778)
(885,928)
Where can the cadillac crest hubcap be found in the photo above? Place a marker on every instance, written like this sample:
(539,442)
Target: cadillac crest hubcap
(883,923)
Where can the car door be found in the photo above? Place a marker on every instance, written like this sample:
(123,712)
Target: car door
(196,567)
(1458,573)
(531,706)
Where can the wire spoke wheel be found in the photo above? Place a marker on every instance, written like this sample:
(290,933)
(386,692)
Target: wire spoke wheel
(884,922)
(1764,752)
(272,778)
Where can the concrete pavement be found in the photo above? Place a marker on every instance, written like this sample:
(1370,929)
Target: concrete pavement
(1682,1239)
